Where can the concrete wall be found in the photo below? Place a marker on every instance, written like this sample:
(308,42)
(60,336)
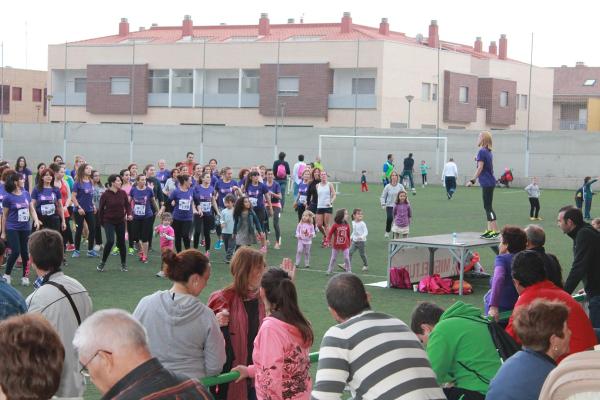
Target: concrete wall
(560,159)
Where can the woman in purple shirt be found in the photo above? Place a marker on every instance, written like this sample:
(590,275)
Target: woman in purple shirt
(485,174)
(46,199)
(300,203)
(182,200)
(276,203)
(257,192)
(204,220)
(143,204)
(17,211)
(502,295)
(84,208)
(21,167)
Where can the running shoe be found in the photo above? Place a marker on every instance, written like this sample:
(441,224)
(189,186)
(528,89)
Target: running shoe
(70,247)
(532,218)
(218,245)
(493,235)
(486,234)
(160,274)
(207,254)
(131,251)
(100,267)
(276,246)
(24,281)
(386,235)
(7,278)
(144,260)
(75,254)
(97,248)
(92,254)
(539,219)
(115,251)
(342,267)
(124,268)
(365,268)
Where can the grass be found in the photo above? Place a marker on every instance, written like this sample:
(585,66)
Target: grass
(433,214)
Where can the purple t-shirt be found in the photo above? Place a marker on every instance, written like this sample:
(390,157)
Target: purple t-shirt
(183,210)
(2,193)
(162,176)
(141,200)
(18,218)
(256,194)
(503,293)
(223,189)
(486,178)
(45,201)
(274,188)
(84,192)
(302,193)
(26,174)
(203,197)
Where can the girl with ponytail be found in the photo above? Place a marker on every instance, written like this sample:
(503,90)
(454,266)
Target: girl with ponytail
(281,365)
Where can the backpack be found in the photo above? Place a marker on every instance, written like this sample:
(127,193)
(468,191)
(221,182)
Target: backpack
(505,344)
(399,278)
(435,284)
(281,174)
(301,169)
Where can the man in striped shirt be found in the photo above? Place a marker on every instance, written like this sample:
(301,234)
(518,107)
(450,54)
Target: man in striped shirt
(373,354)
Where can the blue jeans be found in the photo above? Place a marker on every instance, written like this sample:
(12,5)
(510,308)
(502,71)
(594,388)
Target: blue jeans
(587,206)
(296,188)
(17,241)
(594,309)
(283,186)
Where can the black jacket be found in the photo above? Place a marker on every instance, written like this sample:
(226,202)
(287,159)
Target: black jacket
(586,260)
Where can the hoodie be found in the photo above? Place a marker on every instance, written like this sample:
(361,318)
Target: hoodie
(460,344)
(183,333)
(281,364)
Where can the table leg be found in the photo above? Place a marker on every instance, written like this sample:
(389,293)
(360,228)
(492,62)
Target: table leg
(463,254)
(432,251)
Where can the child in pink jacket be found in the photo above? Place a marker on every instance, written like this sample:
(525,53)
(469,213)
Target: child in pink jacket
(281,366)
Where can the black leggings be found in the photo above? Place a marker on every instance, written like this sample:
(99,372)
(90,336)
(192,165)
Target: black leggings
(534,211)
(488,198)
(67,234)
(141,229)
(389,218)
(424,178)
(182,233)
(203,224)
(98,232)
(91,222)
(455,393)
(263,217)
(50,222)
(300,209)
(111,230)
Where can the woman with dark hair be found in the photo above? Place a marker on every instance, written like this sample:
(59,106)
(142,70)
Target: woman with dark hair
(182,201)
(21,167)
(46,199)
(18,211)
(83,202)
(114,209)
(143,202)
(5,171)
(281,366)
(65,198)
(170,187)
(183,333)
(281,171)
(301,201)
(502,295)
(204,219)
(312,197)
(276,193)
(40,167)
(99,189)
(543,330)
(133,172)
(257,193)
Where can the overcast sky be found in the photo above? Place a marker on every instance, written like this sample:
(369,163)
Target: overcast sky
(562,35)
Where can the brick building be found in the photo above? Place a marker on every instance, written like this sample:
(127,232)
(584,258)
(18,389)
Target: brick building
(577,98)
(303,74)
(23,95)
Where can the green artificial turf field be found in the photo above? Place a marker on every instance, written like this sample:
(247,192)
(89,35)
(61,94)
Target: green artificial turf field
(432,214)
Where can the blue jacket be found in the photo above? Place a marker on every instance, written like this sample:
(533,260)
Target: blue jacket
(11,301)
(521,377)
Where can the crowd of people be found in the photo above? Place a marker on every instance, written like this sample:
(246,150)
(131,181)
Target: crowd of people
(255,325)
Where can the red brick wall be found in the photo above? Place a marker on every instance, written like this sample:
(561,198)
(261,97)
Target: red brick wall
(489,98)
(454,111)
(315,84)
(98,97)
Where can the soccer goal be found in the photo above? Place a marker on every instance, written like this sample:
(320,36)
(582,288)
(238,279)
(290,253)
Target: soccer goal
(373,154)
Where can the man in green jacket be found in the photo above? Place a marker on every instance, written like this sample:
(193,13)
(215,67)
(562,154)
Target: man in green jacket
(459,347)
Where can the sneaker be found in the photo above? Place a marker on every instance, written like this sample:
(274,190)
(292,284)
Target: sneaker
(70,247)
(75,254)
(218,245)
(92,254)
(342,267)
(365,268)
(160,274)
(97,248)
(24,281)
(493,235)
(276,246)
(100,267)
(386,235)
(115,251)
(124,268)
(532,218)
(131,251)
(486,234)
(263,249)
(144,260)
(7,278)
(539,219)
(307,266)
(207,254)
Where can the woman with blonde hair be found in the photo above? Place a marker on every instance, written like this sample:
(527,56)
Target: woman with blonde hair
(485,174)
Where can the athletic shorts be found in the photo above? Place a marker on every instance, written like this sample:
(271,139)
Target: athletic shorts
(328,210)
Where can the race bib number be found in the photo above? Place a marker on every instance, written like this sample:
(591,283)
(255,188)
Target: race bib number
(184,204)
(302,199)
(205,206)
(253,201)
(140,209)
(48,209)
(23,215)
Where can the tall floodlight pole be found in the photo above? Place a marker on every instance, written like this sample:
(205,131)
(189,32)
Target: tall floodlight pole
(131,94)
(409,98)
(275,143)
(528,110)
(356,76)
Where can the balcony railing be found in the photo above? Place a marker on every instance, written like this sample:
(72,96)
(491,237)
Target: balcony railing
(572,125)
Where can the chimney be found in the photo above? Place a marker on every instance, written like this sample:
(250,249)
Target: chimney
(154,25)
(384,27)
(123,27)
(493,48)
(291,21)
(434,37)
(187,27)
(579,64)
(478,44)
(142,28)
(346,23)
(263,24)
(503,47)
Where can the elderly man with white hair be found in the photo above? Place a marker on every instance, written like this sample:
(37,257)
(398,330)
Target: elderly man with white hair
(113,351)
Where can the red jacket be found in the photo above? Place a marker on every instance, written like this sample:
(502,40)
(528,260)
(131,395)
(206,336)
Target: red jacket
(582,333)
(341,236)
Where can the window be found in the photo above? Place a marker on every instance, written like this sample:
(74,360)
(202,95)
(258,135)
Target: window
(119,86)
(243,39)
(589,82)
(80,85)
(36,95)
(183,81)
(251,81)
(303,38)
(463,94)
(17,93)
(363,85)
(158,81)
(503,99)
(522,98)
(228,85)
(425,91)
(289,86)
(434,92)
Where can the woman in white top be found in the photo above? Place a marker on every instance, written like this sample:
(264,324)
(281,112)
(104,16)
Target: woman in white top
(388,199)
(326,197)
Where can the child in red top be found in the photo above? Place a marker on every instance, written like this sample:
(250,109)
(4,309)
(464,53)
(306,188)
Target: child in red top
(341,240)
(167,235)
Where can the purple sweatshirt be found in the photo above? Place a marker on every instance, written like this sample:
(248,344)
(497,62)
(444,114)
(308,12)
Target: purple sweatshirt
(402,214)
(502,293)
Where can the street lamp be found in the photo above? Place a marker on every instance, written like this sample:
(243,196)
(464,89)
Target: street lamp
(409,98)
